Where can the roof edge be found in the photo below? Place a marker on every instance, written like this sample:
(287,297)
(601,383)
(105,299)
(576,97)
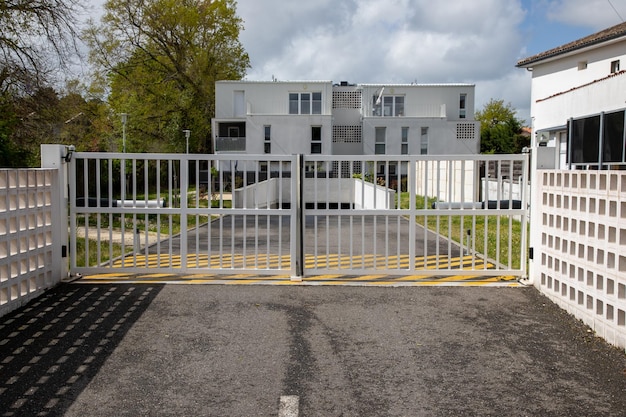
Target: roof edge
(609,34)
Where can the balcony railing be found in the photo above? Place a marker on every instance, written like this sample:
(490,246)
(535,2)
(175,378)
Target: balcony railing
(230,144)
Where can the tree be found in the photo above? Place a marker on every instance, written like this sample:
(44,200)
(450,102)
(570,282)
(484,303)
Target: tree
(500,129)
(33,34)
(162,59)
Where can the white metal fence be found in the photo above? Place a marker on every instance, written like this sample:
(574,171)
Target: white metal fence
(295,215)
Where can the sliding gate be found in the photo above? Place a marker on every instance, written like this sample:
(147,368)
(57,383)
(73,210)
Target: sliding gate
(298,215)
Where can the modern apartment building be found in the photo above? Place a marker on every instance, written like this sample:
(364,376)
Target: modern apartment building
(319,117)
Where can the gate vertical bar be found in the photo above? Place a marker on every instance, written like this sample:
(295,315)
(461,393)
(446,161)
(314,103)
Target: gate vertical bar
(524,192)
(299,252)
(411,184)
(184,208)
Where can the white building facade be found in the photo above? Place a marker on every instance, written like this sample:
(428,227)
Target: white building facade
(578,99)
(578,210)
(319,117)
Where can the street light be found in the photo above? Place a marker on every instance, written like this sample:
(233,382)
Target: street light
(187,134)
(124,120)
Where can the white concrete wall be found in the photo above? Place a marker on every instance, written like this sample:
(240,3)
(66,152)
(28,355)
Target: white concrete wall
(425,100)
(449,181)
(503,189)
(289,134)
(362,194)
(266,97)
(579,225)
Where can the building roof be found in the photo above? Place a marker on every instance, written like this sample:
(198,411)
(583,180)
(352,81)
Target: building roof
(605,35)
(377,85)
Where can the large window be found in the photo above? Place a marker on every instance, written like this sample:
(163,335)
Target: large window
(593,145)
(388,106)
(305,103)
(381,138)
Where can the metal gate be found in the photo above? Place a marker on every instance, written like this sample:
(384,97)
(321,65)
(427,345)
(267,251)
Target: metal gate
(298,215)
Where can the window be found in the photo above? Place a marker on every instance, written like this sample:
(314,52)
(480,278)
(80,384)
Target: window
(268,137)
(582,65)
(388,106)
(317,103)
(462,105)
(404,146)
(379,146)
(614,66)
(424,141)
(316,139)
(305,103)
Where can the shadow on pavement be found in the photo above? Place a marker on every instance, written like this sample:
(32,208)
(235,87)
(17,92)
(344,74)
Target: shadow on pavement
(53,347)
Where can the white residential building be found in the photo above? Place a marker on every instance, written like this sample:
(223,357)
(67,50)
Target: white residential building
(319,117)
(578,98)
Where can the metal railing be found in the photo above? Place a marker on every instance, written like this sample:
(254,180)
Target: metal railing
(228,144)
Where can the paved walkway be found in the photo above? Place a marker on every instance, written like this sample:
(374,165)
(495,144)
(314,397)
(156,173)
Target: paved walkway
(219,350)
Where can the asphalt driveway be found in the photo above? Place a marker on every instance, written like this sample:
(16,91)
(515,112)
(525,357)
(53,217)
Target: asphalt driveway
(198,350)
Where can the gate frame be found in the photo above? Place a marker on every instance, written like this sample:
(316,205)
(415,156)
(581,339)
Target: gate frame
(296,212)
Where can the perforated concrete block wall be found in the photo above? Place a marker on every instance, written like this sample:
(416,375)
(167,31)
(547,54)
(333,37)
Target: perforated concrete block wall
(581,261)
(25,235)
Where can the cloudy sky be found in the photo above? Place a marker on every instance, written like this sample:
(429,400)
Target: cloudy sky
(423,41)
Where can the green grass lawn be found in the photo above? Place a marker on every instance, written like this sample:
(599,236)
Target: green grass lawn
(498,237)
(165,224)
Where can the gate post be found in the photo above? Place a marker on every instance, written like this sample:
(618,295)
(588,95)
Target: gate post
(299,255)
(58,157)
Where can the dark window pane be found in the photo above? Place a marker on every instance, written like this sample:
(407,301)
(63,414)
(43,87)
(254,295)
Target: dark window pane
(585,140)
(316,147)
(399,106)
(305,103)
(316,133)
(293,103)
(317,103)
(613,140)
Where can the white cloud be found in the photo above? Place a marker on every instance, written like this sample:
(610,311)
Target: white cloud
(381,41)
(402,41)
(595,14)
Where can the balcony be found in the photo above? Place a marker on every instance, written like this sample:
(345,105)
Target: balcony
(226,144)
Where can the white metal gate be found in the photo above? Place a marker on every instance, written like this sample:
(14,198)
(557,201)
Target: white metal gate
(298,215)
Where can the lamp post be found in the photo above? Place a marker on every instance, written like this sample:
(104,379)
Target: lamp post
(124,120)
(187,134)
